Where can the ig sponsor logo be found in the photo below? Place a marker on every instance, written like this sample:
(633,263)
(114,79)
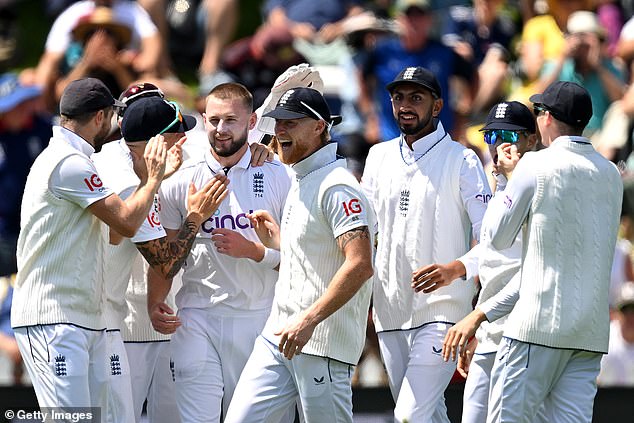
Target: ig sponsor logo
(93,182)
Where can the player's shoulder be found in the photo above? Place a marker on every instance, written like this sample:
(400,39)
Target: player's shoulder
(385,147)
(273,167)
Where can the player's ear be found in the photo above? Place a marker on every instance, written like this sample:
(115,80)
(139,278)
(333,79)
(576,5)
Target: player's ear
(532,142)
(252,120)
(438,104)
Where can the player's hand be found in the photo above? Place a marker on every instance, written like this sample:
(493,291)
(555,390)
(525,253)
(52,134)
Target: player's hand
(433,276)
(508,157)
(155,156)
(174,158)
(458,335)
(464,360)
(260,153)
(205,201)
(163,319)
(294,336)
(266,228)
(233,244)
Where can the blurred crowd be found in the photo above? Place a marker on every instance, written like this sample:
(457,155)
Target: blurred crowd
(481,51)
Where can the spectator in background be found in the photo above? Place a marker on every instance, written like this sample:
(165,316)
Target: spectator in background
(586,62)
(611,18)
(98,50)
(617,367)
(302,19)
(622,270)
(413,47)
(205,26)
(8,344)
(145,41)
(482,35)
(288,26)
(542,40)
(24,133)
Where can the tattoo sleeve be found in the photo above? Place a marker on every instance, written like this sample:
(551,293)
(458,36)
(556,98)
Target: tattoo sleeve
(346,237)
(167,257)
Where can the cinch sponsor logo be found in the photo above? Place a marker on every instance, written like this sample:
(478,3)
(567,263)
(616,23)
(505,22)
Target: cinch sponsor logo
(484,197)
(226,221)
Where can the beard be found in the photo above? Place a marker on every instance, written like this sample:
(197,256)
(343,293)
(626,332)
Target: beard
(103,136)
(416,127)
(226,151)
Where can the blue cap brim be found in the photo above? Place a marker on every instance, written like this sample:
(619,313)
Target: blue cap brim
(20,95)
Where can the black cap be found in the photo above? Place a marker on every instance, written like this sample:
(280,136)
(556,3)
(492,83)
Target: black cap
(149,116)
(567,101)
(302,102)
(511,115)
(419,76)
(84,96)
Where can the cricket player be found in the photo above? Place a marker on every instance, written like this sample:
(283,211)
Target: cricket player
(58,303)
(567,201)
(429,209)
(229,279)
(316,330)
(509,125)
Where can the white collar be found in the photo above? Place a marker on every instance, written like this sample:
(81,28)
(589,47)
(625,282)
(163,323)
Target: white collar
(320,158)
(74,140)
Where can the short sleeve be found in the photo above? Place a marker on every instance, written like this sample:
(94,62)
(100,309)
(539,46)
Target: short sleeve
(151,227)
(344,209)
(170,200)
(76,180)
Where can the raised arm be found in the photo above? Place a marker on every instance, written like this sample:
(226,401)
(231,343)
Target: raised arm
(125,217)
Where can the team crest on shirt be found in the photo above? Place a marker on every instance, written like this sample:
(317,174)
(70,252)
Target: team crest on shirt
(403,202)
(258,184)
(115,365)
(60,366)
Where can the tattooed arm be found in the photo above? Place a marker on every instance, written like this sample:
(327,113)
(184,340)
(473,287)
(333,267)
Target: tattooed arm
(166,255)
(353,273)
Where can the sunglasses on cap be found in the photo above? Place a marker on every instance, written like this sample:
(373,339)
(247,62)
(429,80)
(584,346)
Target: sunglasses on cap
(493,136)
(136,91)
(177,119)
(538,110)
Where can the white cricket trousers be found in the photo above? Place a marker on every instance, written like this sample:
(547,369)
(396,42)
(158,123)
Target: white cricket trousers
(120,404)
(525,376)
(151,377)
(209,351)
(417,374)
(271,384)
(68,365)
(475,400)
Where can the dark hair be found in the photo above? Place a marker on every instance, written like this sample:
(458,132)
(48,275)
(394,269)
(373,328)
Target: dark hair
(233,90)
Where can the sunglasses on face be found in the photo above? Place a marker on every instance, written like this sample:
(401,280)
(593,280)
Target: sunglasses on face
(177,119)
(493,136)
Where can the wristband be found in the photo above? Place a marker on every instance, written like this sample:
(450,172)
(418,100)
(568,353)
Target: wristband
(271,258)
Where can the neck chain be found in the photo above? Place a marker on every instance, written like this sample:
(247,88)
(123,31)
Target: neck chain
(422,155)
